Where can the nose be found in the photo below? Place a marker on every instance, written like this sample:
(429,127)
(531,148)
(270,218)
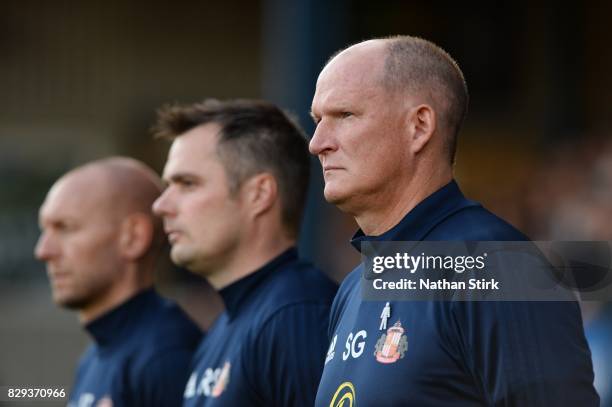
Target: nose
(163,205)
(321,141)
(45,249)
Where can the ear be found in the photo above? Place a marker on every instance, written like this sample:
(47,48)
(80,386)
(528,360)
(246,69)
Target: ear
(422,125)
(259,193)
(136,236)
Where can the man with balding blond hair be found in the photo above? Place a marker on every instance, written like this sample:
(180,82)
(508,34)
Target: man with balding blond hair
(388,112)
(101,243)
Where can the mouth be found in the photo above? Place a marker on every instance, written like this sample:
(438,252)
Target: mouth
(328,168)
(173,236)
(58,278)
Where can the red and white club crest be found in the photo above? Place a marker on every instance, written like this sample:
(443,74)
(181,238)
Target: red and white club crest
(392,345)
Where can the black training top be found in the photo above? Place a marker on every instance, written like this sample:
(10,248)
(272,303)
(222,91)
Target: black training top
(140,355)
(268,347)
(445,353)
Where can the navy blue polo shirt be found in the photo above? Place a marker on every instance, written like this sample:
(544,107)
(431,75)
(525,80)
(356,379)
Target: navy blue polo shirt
(268,347)
(140,356)
(441,353)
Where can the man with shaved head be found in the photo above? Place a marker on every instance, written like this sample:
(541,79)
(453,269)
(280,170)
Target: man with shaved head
(388,113)
(101,243)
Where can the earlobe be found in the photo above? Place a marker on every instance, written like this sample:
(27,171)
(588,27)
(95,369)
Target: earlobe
(423,126)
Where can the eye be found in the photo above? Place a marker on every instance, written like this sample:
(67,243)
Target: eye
(183,185)
(61,227)
(186,183)
(345,114)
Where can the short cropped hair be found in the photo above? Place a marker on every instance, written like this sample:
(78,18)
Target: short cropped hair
(416,65)
(255,137)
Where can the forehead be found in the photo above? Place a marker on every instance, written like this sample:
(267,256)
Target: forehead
(77,195)
(355,73)
(193,150)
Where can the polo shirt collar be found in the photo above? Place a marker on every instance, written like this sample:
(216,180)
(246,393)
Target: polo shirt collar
(119,322)
(234,294)
(419,221)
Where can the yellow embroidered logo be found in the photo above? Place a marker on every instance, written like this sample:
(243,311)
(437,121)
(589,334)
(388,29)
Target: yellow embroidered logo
(344,396)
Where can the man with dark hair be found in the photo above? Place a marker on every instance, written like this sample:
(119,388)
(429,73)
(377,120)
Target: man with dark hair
(237,174)
(101,243)
(387,113)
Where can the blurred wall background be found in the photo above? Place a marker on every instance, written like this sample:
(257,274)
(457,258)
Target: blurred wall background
(82,80)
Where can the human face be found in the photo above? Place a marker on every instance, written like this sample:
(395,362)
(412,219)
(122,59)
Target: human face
(359,134)
(202,219)
(79,241)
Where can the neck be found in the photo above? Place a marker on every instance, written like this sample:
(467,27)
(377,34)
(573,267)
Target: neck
(133,282)
(249,257)
(394,204)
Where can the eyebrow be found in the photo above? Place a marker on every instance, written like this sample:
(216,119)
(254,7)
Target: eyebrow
(336,112)
(180,177)
(55,220)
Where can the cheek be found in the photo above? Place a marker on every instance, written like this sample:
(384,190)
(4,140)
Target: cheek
(381,145)
(377,162)
(363,142)
(78,252)
(225,216)
(210,216)
(95,251)
(99,265)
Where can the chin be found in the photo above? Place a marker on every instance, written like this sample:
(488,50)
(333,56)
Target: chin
(333,196)
(176,254)
(343,200)
(70,302)
(181,259)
